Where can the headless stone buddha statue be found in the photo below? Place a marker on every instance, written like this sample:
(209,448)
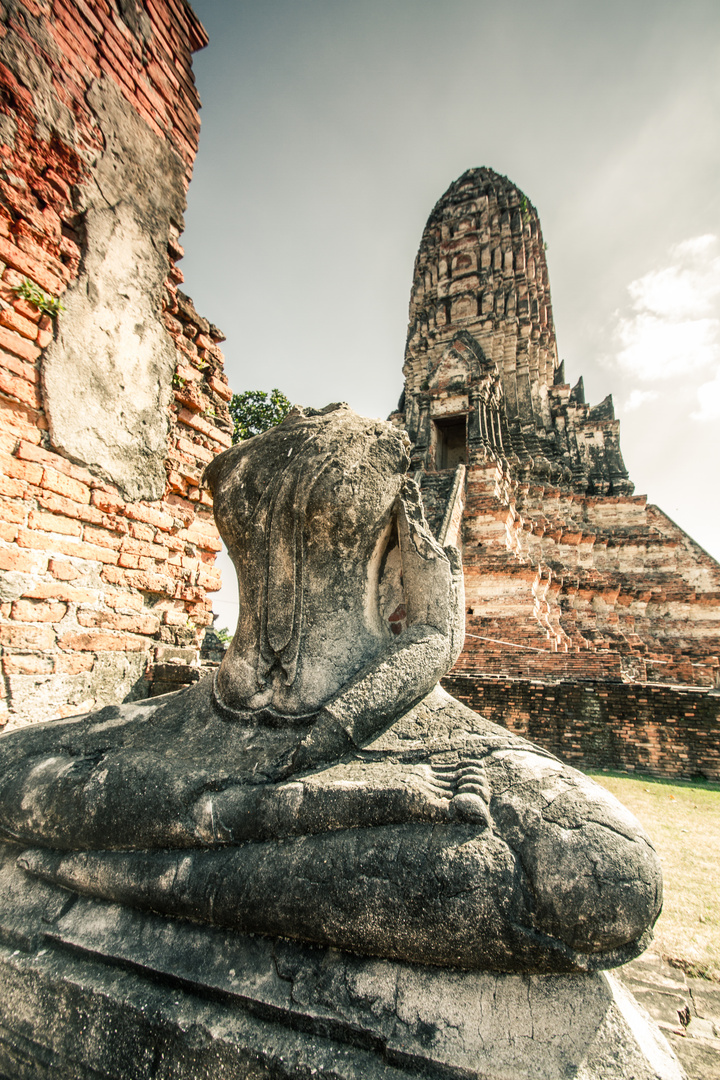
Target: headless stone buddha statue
(323,786)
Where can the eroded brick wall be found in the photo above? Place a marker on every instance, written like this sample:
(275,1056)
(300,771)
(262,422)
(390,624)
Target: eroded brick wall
(98,587)
(669,731)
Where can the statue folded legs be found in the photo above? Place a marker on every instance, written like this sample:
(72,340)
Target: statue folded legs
(323,786)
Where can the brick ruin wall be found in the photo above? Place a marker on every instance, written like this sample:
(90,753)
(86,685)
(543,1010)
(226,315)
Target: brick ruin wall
(611,663)
(664,731)
(585,586)
(107,540)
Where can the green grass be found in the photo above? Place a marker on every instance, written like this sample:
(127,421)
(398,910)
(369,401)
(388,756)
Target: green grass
(682,818)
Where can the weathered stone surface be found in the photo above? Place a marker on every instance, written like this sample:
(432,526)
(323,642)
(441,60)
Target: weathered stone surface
(542,871)
(665,992)
(120,675)
(322,786)
(93,989)
(112,351)
(34,68)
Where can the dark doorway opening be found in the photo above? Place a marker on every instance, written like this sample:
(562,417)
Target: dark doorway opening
(451,446)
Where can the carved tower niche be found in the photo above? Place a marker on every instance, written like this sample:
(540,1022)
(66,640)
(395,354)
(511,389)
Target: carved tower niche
(456,413)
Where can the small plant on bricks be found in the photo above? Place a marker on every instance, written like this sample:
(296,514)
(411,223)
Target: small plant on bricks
(31,292)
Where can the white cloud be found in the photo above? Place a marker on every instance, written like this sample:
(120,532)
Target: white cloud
(638,398)
(687,289)
(673,326)
(709,398)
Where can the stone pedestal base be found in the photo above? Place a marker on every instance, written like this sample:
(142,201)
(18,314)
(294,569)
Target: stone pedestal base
(92,990)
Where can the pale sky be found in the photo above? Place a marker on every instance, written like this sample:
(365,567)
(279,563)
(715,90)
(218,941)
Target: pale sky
(331,128)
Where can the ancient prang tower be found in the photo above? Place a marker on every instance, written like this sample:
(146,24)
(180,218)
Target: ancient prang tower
(583,601)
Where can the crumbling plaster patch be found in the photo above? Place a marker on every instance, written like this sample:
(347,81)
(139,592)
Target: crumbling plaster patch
(107,377)
(114,675)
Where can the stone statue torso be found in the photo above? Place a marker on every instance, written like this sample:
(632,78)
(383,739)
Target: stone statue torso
(327,789)
(310,529)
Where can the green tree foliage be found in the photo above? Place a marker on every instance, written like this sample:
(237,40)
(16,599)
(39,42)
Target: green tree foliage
(254,411)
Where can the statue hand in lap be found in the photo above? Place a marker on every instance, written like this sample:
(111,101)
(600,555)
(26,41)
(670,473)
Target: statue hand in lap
(323,786)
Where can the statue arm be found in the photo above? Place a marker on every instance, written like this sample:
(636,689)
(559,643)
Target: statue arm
(395,681)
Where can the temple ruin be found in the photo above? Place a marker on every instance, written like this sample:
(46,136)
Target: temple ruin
(111,406)
(593,621)
(589,612)
(314,862)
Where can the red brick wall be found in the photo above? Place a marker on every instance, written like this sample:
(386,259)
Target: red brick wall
(561,585)
(96,589)
(659,730)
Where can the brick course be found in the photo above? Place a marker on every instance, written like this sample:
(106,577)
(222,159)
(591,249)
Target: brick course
(95,588)
(659,730)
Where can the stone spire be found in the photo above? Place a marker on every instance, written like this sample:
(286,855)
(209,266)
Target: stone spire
(481,268)
(481,349)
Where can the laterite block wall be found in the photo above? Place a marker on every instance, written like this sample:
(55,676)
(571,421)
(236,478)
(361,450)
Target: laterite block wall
(659,730)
